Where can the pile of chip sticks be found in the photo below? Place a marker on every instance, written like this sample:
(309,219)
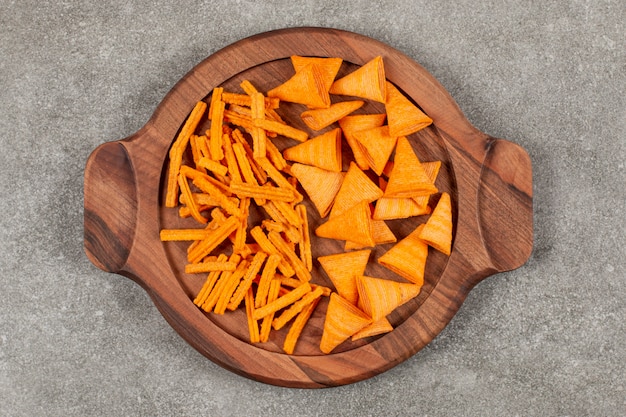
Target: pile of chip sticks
(269,264)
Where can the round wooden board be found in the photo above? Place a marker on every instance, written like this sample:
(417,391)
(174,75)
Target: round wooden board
(489,180)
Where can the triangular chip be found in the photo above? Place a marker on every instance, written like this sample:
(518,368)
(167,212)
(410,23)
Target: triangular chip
(438,229)
(318,119)
(377,145)
(353,225)
(356,187)
(343,268)
(380,231)
(327,66)
(367,82)
(407,258)
(374,329)
(355,123)
(379,297)
(304,87)
(408,178)
(323,151)
(343,320)
(403,116)
(398,208)
(320,185)
(432,170)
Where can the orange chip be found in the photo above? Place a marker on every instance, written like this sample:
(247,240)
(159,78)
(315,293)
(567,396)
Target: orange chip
(283,301)
(293,310)
(213,240)
(343,268)
(379,327)
(380,231)
(272,295)
(176,152)
(408,178)
(318,119)
(403,116)
(246,281)
(438,229)
(398,208)
(281,129)
(356,187)
(407,258)
(353,224)
(377,146)
(305,239)
(368,81)
(253,326)
(378,297)
(323,151)
(296,328)
(355,123)
(343,320)
(327,66)
(259,137)
(320,185)
(210,281)
(304,87)
(215,133)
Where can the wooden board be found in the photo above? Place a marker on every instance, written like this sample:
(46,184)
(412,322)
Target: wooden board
(489,180)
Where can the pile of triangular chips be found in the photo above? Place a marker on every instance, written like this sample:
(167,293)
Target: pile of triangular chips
(237,164)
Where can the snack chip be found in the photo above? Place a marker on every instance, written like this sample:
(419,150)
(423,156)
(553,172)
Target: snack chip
(328,67)
(356,187)
(318,119)
(407,258)
(306,87)
(357,122)
(343,268)
(438,229)
(379,297)
(368,81)
(323,151)
(403,117)
(379,327)
(407,177)
(377,145)
(320,185)
(343,320)
(353,225)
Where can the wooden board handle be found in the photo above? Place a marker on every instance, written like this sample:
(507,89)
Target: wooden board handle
(110,202)
(505,199)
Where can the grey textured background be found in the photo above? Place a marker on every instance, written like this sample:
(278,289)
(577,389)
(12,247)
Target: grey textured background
(546,339)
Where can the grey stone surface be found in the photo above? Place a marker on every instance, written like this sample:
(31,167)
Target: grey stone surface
(546,339)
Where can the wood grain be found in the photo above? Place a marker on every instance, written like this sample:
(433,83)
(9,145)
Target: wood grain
(490,181)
